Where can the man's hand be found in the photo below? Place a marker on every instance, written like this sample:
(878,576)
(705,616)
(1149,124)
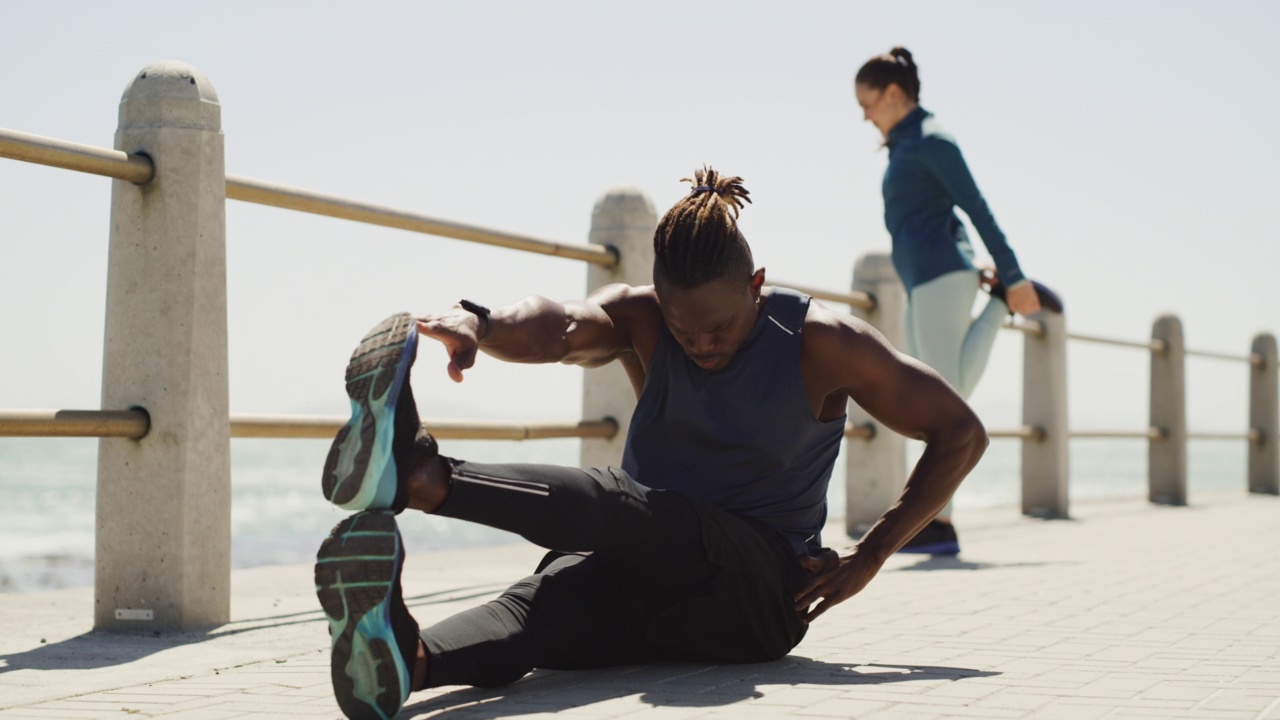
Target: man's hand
(835,580)
(458,332)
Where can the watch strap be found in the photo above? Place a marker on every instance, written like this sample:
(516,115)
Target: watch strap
(481,312)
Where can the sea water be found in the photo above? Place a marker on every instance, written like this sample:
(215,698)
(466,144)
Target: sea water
(279,516)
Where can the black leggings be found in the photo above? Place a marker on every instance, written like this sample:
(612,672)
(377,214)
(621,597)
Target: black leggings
(635,575)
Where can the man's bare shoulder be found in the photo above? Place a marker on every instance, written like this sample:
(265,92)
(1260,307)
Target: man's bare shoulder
(621,300)
(634,312)
(839,354)
(831,336)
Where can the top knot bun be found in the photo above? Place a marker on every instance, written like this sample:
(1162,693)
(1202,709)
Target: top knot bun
(897,67)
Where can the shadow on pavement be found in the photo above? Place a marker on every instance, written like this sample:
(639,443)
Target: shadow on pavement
(105,649)
(668,685)
(943,562)
(95,650)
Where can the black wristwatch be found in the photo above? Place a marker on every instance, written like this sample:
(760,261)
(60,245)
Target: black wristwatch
(481,312)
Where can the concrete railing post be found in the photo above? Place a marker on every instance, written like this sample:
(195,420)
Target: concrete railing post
(623,219)
(164,502)
(876,468)
(1264,453)
(1167,455)
(1046,466)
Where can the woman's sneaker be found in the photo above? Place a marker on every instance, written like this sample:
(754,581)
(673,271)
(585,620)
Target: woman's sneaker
(936,538)
(366,462)
(374,638)
(1049,299)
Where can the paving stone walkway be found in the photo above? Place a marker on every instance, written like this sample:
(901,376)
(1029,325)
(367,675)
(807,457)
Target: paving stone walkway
(1125,611)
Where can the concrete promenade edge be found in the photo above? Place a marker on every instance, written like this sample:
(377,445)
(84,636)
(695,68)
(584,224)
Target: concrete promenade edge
(1125,611)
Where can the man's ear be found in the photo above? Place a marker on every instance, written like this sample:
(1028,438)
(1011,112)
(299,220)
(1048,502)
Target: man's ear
(757,282)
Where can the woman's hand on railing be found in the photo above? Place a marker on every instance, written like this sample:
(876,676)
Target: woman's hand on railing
(458,331)
(1022,299)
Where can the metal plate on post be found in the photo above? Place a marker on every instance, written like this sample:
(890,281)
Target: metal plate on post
(123,614)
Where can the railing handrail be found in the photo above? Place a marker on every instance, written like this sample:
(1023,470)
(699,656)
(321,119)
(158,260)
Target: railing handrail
(854,298)
(49,151)
(1254,359)
(135,424)
(1026,327)
(1155,346)
(139,169)
(324,427)
(307,201)
(74,423)
(1150,433)
(1158,346)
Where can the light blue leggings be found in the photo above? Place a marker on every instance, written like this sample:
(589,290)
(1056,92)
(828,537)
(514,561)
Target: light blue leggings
(943,334)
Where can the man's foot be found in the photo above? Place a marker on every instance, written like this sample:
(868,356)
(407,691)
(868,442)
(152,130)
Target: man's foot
(1049,299)
(375,639)
(366,463)
(936,538)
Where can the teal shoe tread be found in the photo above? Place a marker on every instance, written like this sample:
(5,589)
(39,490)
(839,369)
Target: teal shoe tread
(357,572)
(360,471)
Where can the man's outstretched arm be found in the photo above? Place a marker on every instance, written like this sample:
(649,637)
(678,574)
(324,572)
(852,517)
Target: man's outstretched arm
(911,399)
(537,330)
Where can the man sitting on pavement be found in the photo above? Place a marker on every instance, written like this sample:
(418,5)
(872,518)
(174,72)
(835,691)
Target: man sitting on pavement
(704,544)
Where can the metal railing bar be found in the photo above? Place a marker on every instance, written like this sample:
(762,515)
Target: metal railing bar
(1026,432)
(1254,359)
(1028,327)
(73,156)
(1152,433)
(1252,435)
(74,423)
(856,298)
(139,169)
(1156,346)
(866,431)
(325,427)
(289,198)
(135,424)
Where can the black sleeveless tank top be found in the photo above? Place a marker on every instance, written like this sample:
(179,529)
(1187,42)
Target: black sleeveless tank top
(743,438)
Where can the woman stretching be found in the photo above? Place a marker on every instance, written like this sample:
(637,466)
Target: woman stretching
(925,181)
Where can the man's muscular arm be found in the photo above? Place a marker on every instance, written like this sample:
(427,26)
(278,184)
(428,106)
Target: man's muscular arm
(907,397)
(538,330)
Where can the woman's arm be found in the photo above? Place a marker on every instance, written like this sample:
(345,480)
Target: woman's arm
(942,156)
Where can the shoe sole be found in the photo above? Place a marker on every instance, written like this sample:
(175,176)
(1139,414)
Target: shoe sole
(357,571)
(938,548)
(360,471)
(1049,299)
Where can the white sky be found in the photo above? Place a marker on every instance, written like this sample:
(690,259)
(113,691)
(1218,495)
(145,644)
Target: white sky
(1127,148)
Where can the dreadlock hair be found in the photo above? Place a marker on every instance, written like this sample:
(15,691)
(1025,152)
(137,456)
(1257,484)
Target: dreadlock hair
(894,67)
(698,241)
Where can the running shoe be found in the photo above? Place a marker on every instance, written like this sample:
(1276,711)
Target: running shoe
(374,638)
(364,468)
(936,538)
(1049,299)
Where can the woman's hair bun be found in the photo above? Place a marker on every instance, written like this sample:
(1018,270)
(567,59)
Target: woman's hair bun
(895,67)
